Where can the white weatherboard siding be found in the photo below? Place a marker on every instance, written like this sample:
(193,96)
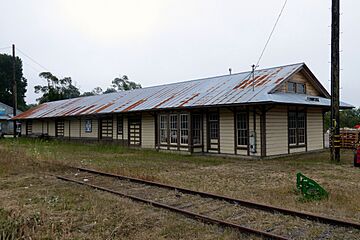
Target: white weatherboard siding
(51,128)
(114,127)
(314,129)
(23,128)
(205,132)
(74,128)
(297,150)
(67,127)
(147,131)
(44,127)
(277,131)
(36,127)
(126,127)
(227,133)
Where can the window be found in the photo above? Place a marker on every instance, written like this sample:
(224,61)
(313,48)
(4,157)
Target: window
(88,125)
(300,88)
(59,127)
(106,128)
(184,129)
(196,129)
(163,129)
(292,128)
(297,123)
(296,87)
(28,127)
(291,87)
(120,126)
(242,129)
(173,128)
(214,125)
(301,127)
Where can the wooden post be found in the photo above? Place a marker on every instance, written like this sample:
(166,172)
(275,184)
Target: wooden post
(14,88)
(335,76)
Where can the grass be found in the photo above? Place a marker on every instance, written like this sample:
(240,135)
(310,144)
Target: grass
(36,205)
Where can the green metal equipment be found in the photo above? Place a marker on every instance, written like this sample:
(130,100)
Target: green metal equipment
(310,189)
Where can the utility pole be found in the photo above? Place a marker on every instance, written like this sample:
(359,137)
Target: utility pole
(335,76)
(14,88)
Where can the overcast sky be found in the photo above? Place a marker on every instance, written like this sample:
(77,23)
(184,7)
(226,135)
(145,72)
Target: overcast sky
(162,41)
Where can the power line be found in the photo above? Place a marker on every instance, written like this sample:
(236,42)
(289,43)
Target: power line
(32,59)
(3,48)
(32,67)
(272,31)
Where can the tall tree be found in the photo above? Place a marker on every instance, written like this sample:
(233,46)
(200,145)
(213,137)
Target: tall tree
(110,90)
(95,91)
(118,84)
(124,84)
(6,90)
(348,118)
(56,89)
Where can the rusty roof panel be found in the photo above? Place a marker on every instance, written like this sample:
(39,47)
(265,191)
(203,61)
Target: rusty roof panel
(228,89)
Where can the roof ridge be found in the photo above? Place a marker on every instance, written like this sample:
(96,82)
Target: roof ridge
(217,76)
(187,81)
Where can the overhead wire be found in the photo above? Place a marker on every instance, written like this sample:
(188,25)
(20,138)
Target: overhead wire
(271,33)
(3,48)
(33,60)
(32,67)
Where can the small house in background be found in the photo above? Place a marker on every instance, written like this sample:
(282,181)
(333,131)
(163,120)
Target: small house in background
(6,124)
(270,112)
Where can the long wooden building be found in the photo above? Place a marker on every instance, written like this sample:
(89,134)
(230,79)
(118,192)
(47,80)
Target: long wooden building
(274,111)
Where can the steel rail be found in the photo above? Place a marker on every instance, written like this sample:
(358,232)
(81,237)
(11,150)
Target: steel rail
(250,204)
(195,216)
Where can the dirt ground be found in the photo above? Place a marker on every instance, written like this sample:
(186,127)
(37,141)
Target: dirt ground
(35,205)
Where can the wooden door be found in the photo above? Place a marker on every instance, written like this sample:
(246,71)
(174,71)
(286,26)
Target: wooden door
(134,133)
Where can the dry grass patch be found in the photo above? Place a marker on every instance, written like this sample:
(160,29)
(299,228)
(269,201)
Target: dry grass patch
(70,211)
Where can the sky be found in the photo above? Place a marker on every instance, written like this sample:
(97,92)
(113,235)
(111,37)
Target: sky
(164,41)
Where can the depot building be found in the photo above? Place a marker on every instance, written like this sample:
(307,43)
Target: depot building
(269,112)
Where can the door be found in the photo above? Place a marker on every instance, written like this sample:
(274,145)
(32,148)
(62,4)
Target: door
(106,128)
(213,132)
(134,137)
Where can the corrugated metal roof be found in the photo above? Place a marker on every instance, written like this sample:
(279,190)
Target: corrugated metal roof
(221,90)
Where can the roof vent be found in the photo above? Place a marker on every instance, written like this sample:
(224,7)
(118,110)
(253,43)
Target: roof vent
(312,99)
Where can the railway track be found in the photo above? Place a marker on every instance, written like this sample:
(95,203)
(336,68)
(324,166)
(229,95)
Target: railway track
(245,216)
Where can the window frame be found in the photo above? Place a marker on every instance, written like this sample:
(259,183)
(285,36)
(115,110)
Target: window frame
(163,126)
(173,128)
(288,87)
(60,128)
(304,88)
(295,87)
(120,126)
(196,129)
(297,128)
(212,123)
(184,129)
(243,132)
(29,127)
(108,127)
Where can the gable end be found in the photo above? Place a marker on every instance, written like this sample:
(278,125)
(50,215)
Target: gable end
(304,76)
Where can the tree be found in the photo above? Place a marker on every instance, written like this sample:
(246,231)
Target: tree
(110,90)
(118,84)
(124,84)
(348,118)
(95,91)
(56,89)
(6,76)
